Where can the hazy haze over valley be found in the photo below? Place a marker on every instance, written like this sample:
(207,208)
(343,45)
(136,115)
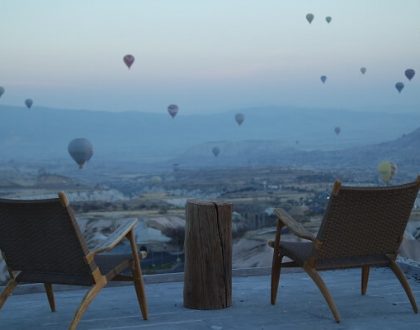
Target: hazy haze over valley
(244,101)
(43,134)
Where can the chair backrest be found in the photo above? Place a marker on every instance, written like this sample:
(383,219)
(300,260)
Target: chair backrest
(42,237)
(366,221)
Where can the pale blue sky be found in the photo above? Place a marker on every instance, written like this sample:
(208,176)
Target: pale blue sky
(208,55)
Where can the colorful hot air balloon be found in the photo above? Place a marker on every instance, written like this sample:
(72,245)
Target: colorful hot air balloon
(239,117)
(81,150)
(28,103)
(323,79)
(328,19)
(1,91)
(173,110)
(409,73)
(215,151)
(363,70)
(337,130)
(129,60)
(386,170)
(399,86)
(310,17)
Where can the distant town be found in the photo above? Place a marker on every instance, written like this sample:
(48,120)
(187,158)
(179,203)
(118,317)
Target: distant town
(158,200)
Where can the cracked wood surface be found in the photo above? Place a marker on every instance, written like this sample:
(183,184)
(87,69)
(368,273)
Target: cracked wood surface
(208,255)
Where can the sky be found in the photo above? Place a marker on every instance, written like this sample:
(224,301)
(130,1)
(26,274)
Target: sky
(209,55)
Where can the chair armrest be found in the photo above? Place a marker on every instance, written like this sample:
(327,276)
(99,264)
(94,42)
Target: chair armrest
(116,237)
(294,226)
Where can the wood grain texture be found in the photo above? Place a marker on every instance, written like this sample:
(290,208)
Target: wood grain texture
(208,255)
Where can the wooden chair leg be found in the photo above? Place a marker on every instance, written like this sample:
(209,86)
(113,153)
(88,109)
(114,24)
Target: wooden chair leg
(50,295)
(400,275)
(275,275)
(138,277)
(87,299)
(11,285)
(323,288)
(365,278)
(276,264)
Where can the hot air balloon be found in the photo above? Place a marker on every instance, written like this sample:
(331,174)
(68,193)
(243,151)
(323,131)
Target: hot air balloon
(1,91)
(216,151)
(239,117)
(386,170)
(409,73)
(337,130)
(363,70)
(173,110)
(129,60)
(155,180)
(323,79)
(81,150)
(399,86)
(310,17)
(175,167)
(28,103)
(328,19)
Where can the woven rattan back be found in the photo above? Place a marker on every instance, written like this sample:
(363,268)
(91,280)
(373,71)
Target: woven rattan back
(42,236)
(366,221)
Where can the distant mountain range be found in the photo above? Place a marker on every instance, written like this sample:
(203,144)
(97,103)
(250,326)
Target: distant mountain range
(403,151)
(269,134)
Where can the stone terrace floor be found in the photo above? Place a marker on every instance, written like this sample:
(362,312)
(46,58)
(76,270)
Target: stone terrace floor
(299,305)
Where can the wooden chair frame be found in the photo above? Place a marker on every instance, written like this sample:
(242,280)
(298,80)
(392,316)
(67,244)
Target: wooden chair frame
(99,280)
(313,261)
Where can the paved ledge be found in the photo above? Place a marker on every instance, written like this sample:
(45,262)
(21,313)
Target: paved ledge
(299,306)
(149,279)
(411,270)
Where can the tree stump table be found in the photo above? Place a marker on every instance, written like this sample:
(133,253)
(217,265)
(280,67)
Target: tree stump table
(208,255)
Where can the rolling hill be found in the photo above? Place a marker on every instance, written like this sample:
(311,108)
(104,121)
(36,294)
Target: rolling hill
(404,151)
(283,135)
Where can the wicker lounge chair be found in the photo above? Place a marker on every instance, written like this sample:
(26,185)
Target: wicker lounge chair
(362,227)
(42,243)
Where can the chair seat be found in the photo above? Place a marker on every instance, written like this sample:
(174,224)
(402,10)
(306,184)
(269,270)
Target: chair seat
(297,251)
(302,251)
(57,278)
(112,265)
